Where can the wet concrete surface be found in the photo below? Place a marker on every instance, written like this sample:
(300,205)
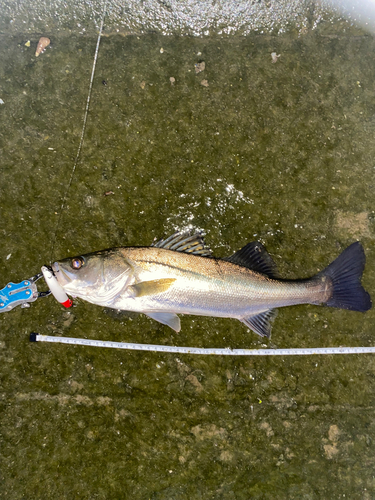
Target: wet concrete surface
(169,17)
(245,149)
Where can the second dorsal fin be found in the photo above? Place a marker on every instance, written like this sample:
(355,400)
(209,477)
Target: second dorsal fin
(255,257)
(186,242)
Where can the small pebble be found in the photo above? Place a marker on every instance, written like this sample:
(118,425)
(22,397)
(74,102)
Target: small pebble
(200,67)
(204,83)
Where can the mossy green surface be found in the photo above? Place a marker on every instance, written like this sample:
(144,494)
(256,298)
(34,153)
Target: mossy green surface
(279,152)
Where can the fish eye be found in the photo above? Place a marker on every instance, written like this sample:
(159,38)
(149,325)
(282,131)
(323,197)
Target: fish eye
(77,262)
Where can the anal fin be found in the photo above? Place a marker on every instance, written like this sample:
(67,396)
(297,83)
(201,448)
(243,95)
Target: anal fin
(261,323)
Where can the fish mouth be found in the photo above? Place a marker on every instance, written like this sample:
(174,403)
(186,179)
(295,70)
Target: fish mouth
(61,275)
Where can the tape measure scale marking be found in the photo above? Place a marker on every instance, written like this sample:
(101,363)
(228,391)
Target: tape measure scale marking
(35,337)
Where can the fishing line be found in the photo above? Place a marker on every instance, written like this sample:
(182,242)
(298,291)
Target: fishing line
(35,337)
(82,134)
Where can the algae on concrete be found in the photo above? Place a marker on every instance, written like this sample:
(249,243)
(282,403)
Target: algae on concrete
(278,152)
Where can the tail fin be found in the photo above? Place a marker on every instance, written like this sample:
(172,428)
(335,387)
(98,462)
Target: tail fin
(345,273)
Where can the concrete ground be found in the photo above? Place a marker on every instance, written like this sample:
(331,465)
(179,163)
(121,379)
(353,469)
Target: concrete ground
(244,149)
(192,17)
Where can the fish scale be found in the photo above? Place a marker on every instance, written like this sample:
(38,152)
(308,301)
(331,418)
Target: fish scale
(235,289)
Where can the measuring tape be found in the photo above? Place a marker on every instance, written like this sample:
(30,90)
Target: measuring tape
(35,337)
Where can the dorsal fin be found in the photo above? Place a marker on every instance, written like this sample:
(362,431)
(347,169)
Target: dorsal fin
(255,257)
(185,242)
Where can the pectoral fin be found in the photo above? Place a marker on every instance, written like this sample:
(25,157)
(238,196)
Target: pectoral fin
(151,287)
(169,319)
(261,323)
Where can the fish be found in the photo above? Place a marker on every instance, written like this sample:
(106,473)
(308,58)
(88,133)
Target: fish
(179,275)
